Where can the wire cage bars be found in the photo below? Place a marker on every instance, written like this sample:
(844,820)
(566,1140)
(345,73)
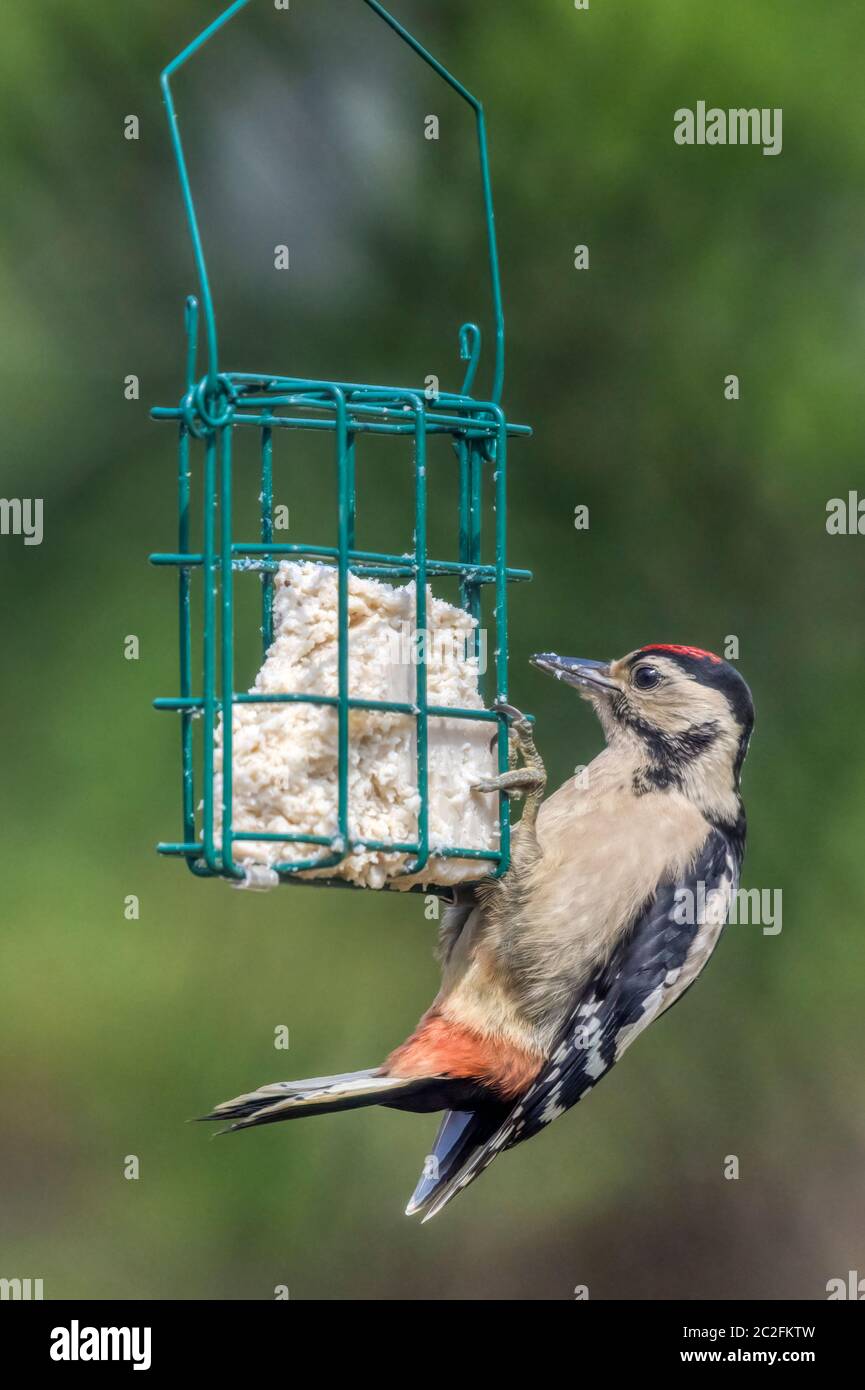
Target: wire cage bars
(212,408)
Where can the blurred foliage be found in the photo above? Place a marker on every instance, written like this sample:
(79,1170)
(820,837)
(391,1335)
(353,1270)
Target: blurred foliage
(707,518)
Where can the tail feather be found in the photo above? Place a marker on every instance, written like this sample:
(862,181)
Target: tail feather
(318,1095)
(462,1135)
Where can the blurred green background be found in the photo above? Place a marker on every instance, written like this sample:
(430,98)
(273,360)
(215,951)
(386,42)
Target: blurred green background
(707,519)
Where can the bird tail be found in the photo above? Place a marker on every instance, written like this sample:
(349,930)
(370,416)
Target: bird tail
(318,1095)
(459,1155)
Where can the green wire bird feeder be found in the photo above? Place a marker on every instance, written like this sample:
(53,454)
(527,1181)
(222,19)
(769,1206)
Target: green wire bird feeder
(210,411)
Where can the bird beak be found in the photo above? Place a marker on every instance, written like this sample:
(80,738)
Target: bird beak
(576,670)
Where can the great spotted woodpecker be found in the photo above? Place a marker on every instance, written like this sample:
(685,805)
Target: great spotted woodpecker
(549,973)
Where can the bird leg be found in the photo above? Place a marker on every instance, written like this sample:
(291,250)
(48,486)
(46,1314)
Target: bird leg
(530,780)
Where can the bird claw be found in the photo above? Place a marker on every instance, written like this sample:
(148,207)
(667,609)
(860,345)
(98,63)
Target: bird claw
(517,720)
(502,707)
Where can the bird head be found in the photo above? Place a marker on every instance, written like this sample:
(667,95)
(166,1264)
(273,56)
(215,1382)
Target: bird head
(684,714)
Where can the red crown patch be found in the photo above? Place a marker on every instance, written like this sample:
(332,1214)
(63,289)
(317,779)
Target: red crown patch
(683,651)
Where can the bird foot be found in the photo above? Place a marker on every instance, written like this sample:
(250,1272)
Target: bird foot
(522,743)
(518,725)
(528,780)
(518,782)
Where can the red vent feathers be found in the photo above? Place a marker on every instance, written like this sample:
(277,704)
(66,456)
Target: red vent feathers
(441,1047)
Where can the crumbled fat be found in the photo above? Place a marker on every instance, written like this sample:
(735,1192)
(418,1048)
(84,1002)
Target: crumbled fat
(285,756)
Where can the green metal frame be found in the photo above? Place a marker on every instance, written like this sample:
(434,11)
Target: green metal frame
(209,412)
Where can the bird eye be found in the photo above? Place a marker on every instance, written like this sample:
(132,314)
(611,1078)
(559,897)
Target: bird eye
(645,677)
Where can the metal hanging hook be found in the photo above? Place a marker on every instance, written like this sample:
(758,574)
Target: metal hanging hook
(207,304)
(470,351)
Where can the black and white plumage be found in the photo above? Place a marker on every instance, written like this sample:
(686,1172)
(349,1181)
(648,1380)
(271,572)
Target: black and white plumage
(648,971)
(618,891)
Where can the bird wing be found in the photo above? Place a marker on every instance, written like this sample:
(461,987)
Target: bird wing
(656,960)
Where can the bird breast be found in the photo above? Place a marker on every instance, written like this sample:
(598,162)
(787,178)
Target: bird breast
(530,945)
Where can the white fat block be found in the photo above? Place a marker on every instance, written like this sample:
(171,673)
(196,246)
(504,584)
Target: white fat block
(285,756)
